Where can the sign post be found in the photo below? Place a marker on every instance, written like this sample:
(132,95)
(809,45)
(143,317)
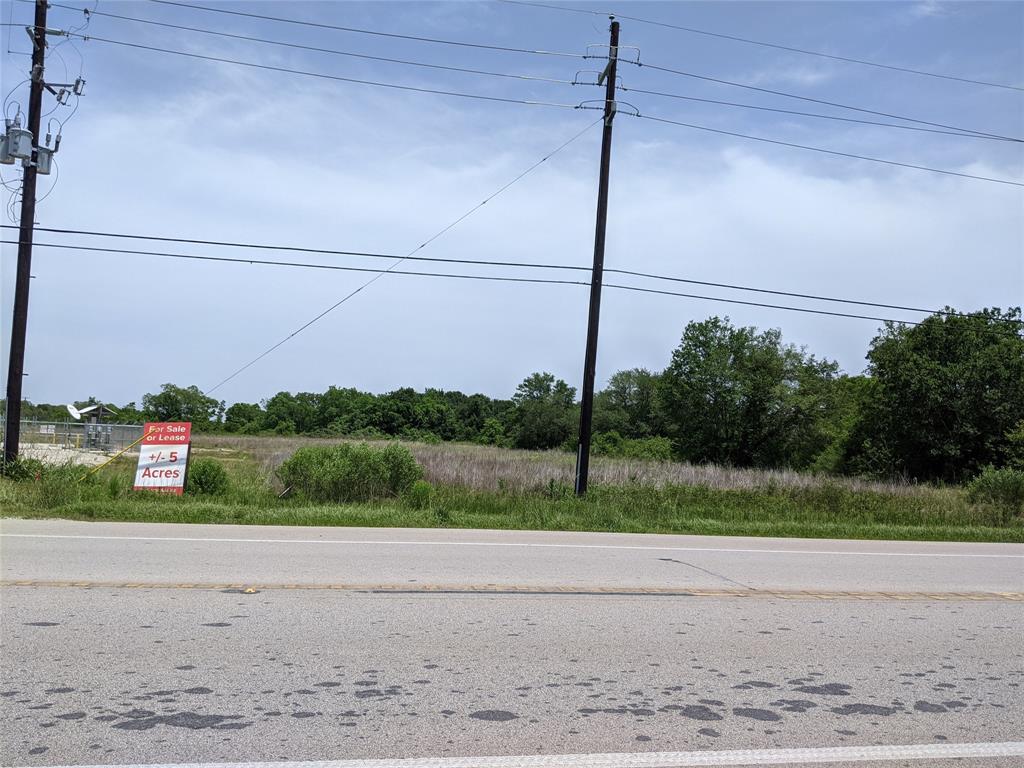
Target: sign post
(163,457)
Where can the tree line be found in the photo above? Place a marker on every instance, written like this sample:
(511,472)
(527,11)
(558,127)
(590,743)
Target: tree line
(938,402)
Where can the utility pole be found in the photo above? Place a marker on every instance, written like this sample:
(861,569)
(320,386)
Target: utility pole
(590,359)
(19,326)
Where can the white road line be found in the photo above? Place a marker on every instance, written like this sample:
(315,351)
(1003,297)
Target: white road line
(733,757)
(539,545)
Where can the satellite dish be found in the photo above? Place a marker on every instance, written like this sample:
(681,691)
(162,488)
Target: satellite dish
(76,413)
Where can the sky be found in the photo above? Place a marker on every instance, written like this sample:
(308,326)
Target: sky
(166,145)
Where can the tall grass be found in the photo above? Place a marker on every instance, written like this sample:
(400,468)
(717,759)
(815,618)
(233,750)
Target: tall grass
(484,487)
(488,468)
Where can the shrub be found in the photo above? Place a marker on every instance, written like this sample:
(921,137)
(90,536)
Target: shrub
(206,477)
(24,469)
(419,494)
(615,445)
(350,472)
(1000,488)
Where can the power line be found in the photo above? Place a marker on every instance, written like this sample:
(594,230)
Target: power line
(339,78)
(286,44)
(791,294)
(377,33)
(953,130)
(495,278)
(469,70)
(786,94)
(436,259)
(766,44)
(424,244)
(816,115)
(822,150)
(806,310)
(427,259)
(333,267)
(527,102)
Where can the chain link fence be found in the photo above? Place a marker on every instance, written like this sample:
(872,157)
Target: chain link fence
(77,435)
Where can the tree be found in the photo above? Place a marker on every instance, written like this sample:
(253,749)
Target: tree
(735,396)
(183,404)
(545,412)
(344,411)
(287,413)
(946,396)
(128,413)
(243,417)
(627,404)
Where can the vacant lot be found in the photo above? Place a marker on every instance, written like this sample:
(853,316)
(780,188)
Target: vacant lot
(487,468)
(484,487)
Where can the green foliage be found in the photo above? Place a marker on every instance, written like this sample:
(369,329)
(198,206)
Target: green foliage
(23,469)
(206,477)
(346,472)
(420,436)
(558,490)
(61,485)
(419,494)
(243,417)
(647,448)
(128,413)
(824,511)
(285,427)
(738,397)
(1000,488)
(183,404)
(492,432)
(628,404)
(1015,442)
(945,399)
(545,412)
(940,401)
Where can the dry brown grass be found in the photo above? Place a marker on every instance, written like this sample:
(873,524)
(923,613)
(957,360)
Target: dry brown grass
(487,468)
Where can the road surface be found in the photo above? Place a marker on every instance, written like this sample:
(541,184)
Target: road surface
(173,644)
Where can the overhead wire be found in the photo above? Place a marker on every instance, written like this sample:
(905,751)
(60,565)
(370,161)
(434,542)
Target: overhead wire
(377,33)
(412,252)
(816,115)
(318,49)
(494,278)
(575,55)
(338,78)
(432,259)
(531,102)
(838,105)
(778,46)
(822,150)
(468,70)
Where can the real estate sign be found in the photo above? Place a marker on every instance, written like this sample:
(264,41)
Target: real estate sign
(163,457)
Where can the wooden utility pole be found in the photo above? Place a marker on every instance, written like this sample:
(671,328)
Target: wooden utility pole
(590,360)
(19,326)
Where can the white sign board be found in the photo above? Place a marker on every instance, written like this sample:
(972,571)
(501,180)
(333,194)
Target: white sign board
(163,457)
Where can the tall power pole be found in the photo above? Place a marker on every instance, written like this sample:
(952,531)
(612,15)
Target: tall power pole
(597,274)
(16,367)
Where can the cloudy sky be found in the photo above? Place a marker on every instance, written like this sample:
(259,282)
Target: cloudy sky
(172,146)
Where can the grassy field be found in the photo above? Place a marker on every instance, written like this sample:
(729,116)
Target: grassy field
(485,487)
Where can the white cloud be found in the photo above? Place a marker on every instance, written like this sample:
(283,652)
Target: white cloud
(805,76)
(931,8)
(349,168)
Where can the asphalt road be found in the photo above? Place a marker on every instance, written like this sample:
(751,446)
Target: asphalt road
(131,644)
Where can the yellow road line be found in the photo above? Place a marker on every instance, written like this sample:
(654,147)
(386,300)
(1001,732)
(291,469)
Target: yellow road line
(521,589)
